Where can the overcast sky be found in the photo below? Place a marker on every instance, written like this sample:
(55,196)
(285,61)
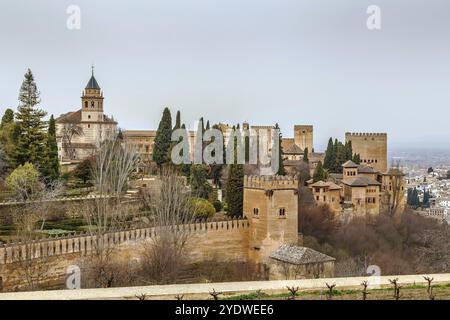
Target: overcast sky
(291,62)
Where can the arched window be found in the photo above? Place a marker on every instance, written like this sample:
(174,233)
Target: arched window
(85,104)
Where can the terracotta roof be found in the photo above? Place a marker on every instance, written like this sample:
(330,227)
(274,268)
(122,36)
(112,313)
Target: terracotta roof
(293,149)
(361,182)
(329,184)
(75,117)
(299,255)
(349,164)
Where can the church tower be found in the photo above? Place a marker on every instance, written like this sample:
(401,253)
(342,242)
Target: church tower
(92,102)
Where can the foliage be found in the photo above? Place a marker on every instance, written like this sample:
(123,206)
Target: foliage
(163,139)
(31,139)
(337,153)
(319,173)
(83,171)
(24,181)
(198,180)
(50,167)
(305,155)
(281,169)
(217,205)
(201,208)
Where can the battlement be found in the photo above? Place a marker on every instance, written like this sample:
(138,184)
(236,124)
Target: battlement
(83,243)
(303,126)
(366,134)
(271,182)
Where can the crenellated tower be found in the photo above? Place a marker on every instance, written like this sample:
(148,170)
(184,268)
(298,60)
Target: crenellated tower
(372,148)
(271,206)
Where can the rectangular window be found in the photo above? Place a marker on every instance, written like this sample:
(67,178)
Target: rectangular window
(282,212)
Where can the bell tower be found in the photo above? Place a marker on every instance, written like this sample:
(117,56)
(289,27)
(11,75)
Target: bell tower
(92,101)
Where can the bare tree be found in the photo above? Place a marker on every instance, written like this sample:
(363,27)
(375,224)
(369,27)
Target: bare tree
(293,292)
(330,292)
(170,215)
(215,294)
(113,165)
(364,292)
(68,132)
(397,288)
(29,219)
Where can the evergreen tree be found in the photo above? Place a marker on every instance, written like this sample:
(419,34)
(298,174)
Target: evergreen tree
(120,135)
(281,169)
(328,162)
(341,156)
(50,169)
(163,139)
(348,151)
(177,121)
(305,155)
(319,173)
(356,158)
(31,126)
(235,186)
(8,117)
(8,138)
(426,198)
(199,184)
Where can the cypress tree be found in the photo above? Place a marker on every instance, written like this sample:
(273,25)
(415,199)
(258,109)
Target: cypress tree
(281,169)
(235,186)
(177,121)
(319,173)
(328,161)
(356,158)
(162,139)
(305,155)
(50,169)
(31,139)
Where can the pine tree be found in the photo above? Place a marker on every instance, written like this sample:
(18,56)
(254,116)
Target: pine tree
(319,173)
(50,168)
(281,169)
(31,126)
(163,139)
(305,155)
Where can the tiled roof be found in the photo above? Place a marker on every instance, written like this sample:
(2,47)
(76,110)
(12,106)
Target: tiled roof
(75,117)
(366,169)
(349,164)
(361,182)
(293,149)
(329,184)
(299,255)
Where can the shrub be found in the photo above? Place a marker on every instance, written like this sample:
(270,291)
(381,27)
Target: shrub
(217,205)
(202,208)
(24,181)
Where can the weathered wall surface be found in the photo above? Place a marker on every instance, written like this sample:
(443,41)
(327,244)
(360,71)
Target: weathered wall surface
(222,240)
(372,148)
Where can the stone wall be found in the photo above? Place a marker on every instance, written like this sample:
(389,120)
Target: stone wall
(372,148)
(221,240)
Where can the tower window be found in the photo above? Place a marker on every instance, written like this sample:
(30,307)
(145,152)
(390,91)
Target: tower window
(89,125)
(85,104)
(256,212)
(282,212)
(92,104)
(89,116)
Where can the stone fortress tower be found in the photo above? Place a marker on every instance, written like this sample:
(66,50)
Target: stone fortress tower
(303,137)
(372,148)
(271,207)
